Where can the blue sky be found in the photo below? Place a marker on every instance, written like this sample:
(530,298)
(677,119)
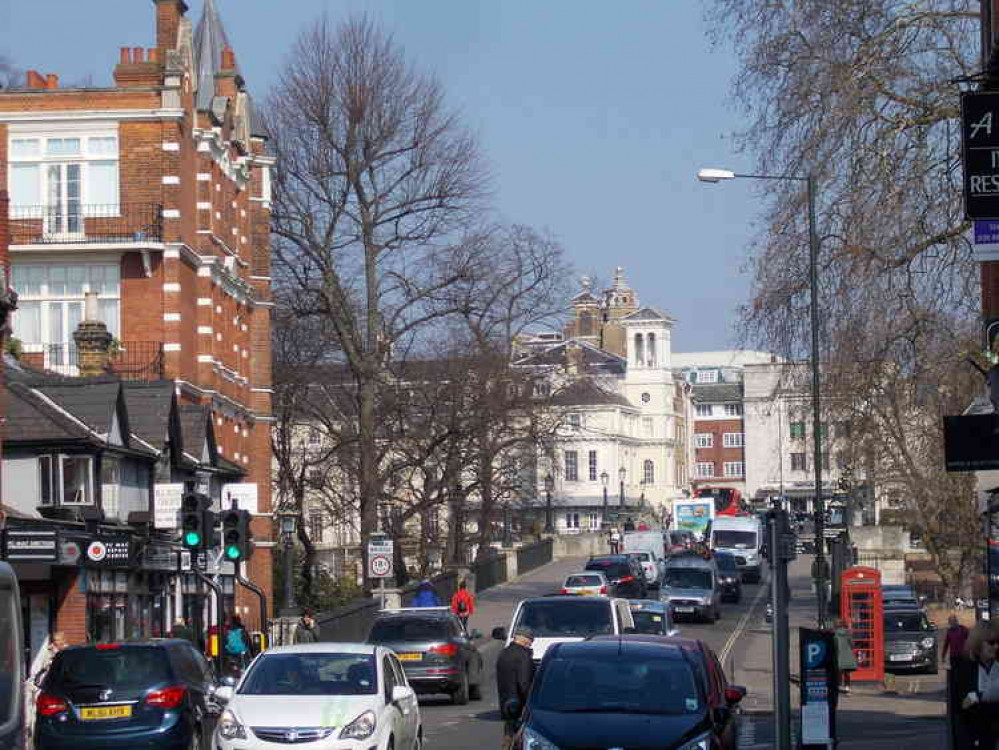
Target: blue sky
(595,117)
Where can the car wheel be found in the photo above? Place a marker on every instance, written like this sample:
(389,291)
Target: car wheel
(460,696)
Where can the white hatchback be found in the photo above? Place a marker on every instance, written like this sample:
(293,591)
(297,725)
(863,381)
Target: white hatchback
(324,695)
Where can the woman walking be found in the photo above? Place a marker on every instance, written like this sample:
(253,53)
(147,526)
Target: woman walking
(845,658)
(977,683)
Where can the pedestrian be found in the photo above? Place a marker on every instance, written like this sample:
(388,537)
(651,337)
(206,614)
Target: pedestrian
(846,661)
(307,630)
(615,540)
(182,630)
(954,642)
(32,686)
(977,686)
(514,675)
(237,643)
(426,595)
(463,603)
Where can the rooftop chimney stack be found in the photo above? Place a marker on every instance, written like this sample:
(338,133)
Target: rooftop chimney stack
(168,16)
(93,342)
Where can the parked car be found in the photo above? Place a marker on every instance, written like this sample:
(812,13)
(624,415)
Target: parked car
(625,574)
(743,537)
(329,695)
(434,650)
(910,641)
(729,577)
(631,693)
(651,567)
(125,695)
(650,549)
(586,583)
(691,588)
(652,617)
(561,619)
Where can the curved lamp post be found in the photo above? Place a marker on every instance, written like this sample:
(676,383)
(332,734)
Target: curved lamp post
(604,479)
(288,521)
(620,475)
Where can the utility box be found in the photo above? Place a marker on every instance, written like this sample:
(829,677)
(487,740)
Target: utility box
(862,607)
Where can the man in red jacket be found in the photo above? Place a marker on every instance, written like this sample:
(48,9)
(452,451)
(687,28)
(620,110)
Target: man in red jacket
(463,604)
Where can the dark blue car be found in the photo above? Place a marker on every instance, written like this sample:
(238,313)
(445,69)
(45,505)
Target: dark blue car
(619,693)
(126,695)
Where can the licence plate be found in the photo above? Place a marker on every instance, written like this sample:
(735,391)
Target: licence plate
(105,712)
(900,657)
(410,657)
(683,609)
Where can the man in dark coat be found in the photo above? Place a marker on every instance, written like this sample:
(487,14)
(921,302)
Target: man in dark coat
(514,674)
(308,629)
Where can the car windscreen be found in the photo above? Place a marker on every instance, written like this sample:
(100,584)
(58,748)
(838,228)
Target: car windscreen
(312,674)
(395,629)
(735,539)
(649,621)
(610,568)
(123,668)
(688,578)
(908,622)
(566,619)
(607,683)
(641,556)
(10,657)
(573,581)
(726,563)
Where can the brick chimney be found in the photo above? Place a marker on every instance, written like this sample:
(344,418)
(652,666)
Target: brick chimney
(168,16)
(93,342)
(35,80)
(136,68)
(227,80)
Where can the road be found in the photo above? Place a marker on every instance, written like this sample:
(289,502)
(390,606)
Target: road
(478,724)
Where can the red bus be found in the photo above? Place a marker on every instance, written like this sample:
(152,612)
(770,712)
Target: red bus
(728,501)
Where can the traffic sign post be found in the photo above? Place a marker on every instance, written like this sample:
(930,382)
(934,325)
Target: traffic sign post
(381,553)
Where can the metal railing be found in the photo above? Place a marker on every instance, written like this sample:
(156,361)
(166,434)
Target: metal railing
(69,222)
(534,555)
(489,572)
(129,360)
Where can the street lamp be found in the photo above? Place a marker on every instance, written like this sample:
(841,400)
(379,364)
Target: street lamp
(620,475)
(549,486)
(604,478)
(719,175)
(289,524)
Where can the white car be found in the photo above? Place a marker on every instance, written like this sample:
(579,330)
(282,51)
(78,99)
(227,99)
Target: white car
(327,695)
(586,583)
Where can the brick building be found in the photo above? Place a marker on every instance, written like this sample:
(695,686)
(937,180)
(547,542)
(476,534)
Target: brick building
(154,194)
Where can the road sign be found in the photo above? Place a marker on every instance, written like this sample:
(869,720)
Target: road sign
(381,553)
(980,144)
(380,566)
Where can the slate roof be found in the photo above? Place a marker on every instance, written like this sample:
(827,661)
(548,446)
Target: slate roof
(93,403)
(585,392)
(646,313)
(149,408)
(31,417)
(209,41)
(194,427)
(593,360)
(717,393)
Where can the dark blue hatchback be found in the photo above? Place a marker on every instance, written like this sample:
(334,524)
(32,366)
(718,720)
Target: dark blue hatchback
(129,695)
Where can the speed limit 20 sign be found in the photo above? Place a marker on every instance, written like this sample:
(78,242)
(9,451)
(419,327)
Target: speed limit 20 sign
(381,550)
(381,566)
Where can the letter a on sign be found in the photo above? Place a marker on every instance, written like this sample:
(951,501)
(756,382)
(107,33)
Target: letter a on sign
(985,123)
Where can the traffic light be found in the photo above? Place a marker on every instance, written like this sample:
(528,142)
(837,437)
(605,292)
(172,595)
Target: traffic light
(196,520)
(236,543)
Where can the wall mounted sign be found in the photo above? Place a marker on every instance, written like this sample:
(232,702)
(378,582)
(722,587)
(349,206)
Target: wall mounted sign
(110,551)
(31,545)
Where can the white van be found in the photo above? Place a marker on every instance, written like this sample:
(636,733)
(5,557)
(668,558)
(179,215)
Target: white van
(652,550)
(742,537)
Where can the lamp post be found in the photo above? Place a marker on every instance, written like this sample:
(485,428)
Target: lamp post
(549,486)
(604,478)
(720,175)
(289,524)
(620,475)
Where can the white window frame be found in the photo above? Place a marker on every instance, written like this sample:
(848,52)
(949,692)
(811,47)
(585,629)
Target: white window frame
(573,474)
(593,466)
(734,440)
(648,427)
(734,469)
(707,376)
(57,476)
(704,440)
(649,471)
(703,410)
(804,462)
(704,469)
(572,520)
(733,410)
(574,420)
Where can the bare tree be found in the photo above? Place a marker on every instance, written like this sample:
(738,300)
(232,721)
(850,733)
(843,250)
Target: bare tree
(378,182)
(10,75)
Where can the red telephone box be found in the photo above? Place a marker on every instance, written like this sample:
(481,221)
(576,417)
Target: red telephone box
(862,606)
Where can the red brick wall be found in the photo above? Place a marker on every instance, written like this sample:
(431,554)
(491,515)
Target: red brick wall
(71,605)
(717,453)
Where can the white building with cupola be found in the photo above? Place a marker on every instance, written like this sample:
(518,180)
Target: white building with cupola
(624,450)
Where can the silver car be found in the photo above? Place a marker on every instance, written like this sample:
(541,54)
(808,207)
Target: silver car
(690,587)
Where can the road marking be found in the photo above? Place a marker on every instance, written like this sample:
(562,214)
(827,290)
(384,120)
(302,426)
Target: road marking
(742,624)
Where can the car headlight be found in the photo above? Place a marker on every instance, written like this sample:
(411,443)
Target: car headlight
(360,728)
(699,743)
(535,741)
(929,642)
(229,726)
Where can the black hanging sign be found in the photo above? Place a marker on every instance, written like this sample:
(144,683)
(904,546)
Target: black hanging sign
(31,545)
(109,551)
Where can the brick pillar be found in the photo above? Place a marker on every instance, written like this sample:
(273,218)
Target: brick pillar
(168,16)
(93,342)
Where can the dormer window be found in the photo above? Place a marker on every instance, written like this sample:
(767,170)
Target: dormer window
(66,480)
(707,376)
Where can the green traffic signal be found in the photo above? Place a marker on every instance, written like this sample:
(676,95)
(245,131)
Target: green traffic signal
(233,552)
(192,539)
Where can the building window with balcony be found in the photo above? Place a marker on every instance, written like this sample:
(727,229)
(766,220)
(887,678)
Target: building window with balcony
(66,480)
(649,471)
(50,304)
(798,462)
(704,469)
(593,466)
(702,410)
(733,410)
(571,466)
(797,430)
(63,180)
(733,440)
(704,440)
(734,469)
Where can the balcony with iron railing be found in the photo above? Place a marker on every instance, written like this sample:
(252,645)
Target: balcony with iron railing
(128,360)
(77,223)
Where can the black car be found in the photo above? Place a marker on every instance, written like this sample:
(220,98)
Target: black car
(627,579)
(126,695)
(620,693)
(729,577)
(436,653)
(910,641)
